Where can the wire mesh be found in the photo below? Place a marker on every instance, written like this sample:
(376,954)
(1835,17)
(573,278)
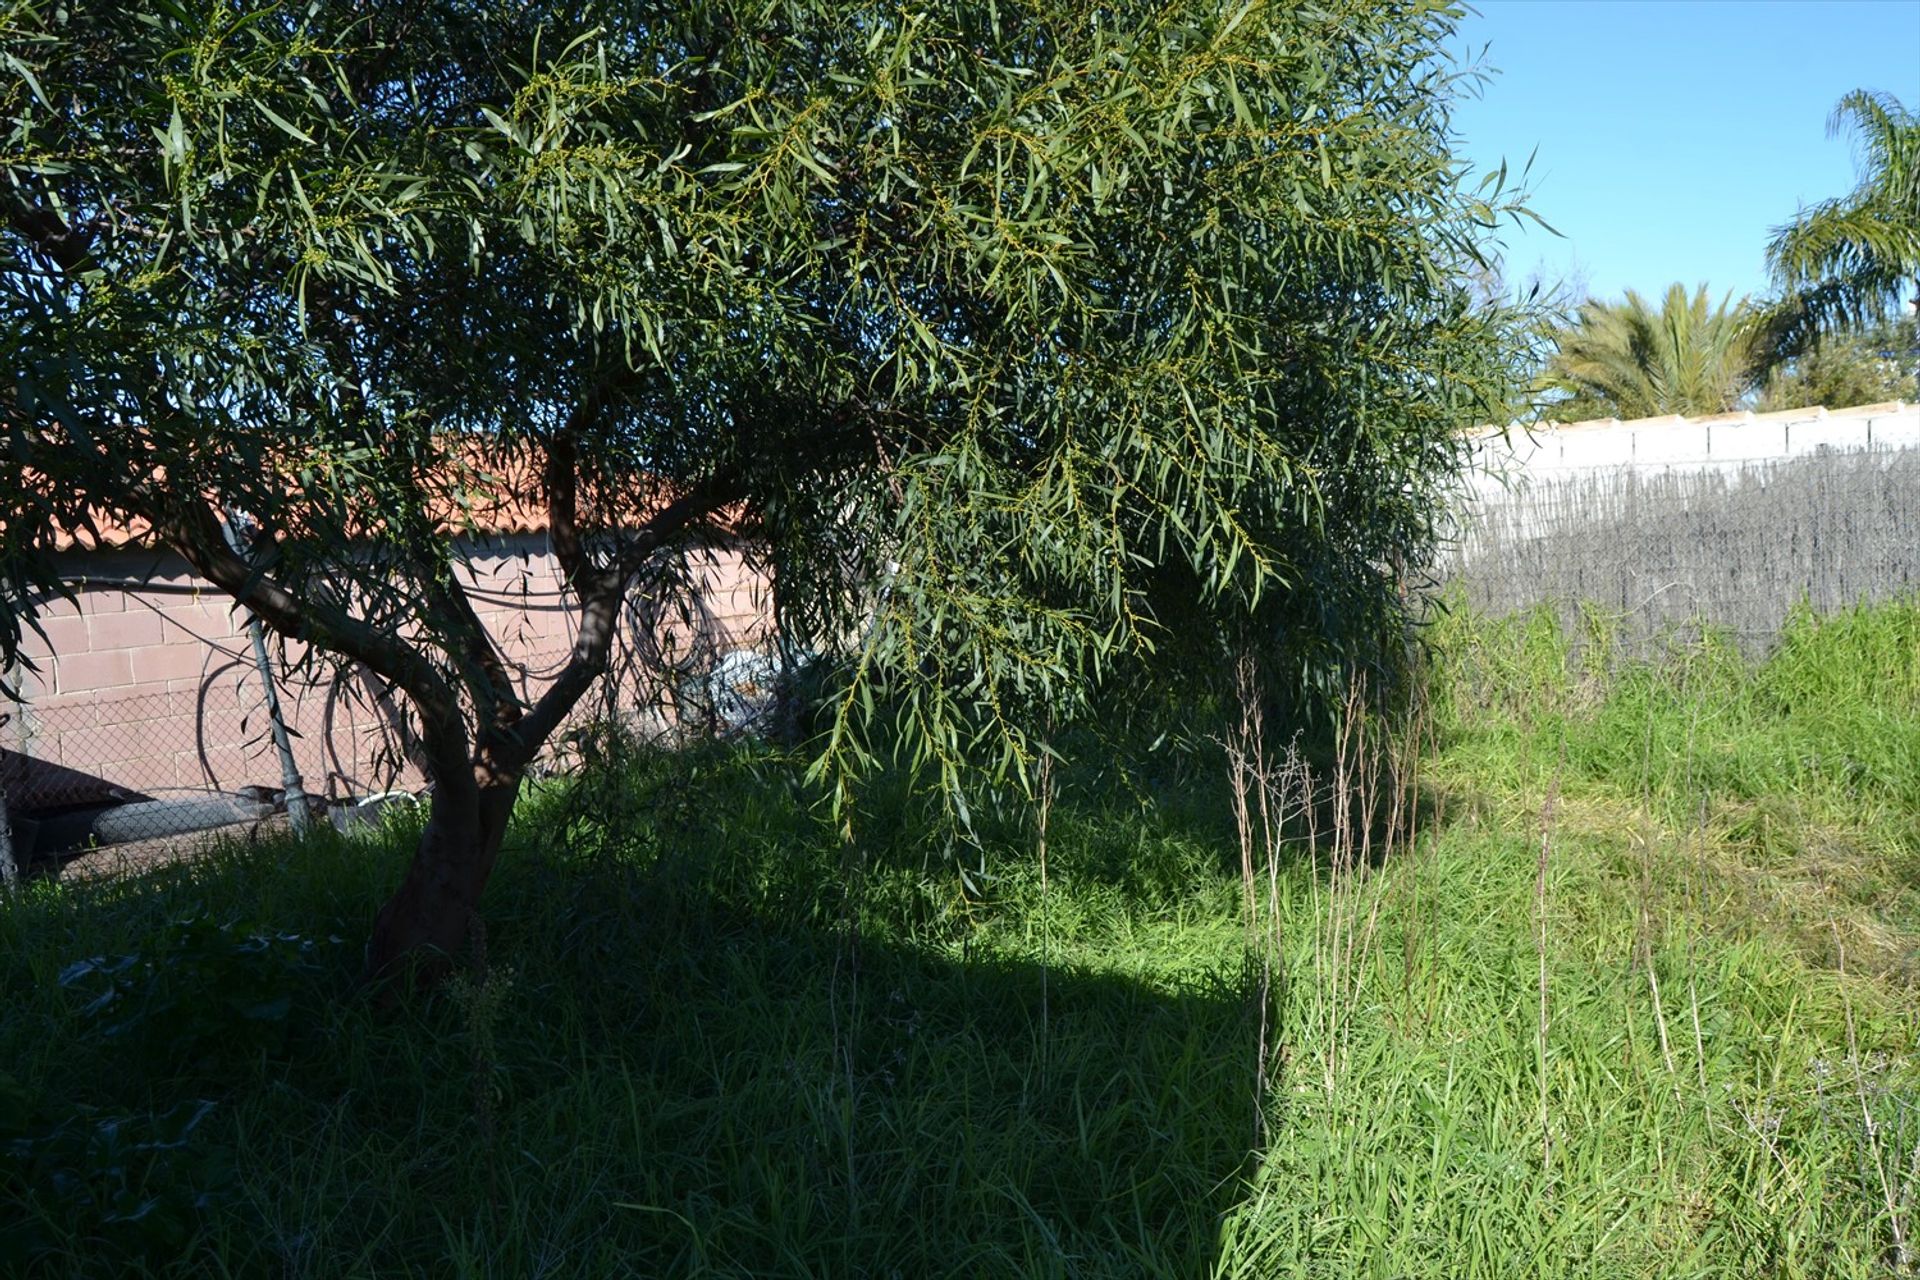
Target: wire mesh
(117,768)
(151,773)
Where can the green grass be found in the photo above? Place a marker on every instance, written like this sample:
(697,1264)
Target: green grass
(705,1039)
(1420,1152)
(1796,779)
(680,1061)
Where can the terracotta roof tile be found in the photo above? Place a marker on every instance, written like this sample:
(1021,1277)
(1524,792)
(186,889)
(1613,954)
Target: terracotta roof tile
(504,499)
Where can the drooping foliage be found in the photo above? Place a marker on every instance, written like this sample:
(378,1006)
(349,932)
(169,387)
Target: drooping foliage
(1847,263)
(1027,342)
(1628,360)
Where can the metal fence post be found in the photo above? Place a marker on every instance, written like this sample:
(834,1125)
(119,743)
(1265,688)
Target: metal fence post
(290,782)
(9,869)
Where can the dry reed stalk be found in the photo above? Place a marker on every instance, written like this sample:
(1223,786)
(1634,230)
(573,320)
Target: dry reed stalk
(1697,911)
(1243,772)
(1339,876)
(1900,1255)
(1264,799)
(1540,913)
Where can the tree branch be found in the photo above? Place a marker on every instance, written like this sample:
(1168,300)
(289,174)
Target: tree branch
(563,495)
(602,592)
(47,232)
(488,681)
(192,528)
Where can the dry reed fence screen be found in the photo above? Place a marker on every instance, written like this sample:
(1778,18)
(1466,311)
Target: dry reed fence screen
(1736,548)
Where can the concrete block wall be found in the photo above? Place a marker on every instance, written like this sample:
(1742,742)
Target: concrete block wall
(154,687)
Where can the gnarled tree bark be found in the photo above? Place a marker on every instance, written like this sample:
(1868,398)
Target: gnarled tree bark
(477,736)
(422,926)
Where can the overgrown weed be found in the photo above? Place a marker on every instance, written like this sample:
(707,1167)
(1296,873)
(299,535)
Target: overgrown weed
(1621,1038)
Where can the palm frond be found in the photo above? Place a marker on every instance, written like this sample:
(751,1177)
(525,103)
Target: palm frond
(1689,356)
(1846,262)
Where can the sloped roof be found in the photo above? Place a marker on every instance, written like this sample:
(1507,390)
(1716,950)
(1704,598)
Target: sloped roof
(503,497)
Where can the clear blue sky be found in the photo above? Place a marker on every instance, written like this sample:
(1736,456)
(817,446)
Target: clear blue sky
(1673,135)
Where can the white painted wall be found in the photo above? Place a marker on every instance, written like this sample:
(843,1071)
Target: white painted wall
(1721,442)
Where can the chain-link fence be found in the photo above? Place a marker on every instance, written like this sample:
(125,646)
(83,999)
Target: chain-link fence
(1736,548)
(142,769)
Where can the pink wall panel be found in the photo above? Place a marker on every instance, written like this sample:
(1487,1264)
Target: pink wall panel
(156,687)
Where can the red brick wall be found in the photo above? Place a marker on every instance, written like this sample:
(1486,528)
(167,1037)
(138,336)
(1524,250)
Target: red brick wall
(155,688)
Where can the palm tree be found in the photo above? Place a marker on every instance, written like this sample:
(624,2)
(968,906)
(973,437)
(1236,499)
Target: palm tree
(1626,360)
(1844,263)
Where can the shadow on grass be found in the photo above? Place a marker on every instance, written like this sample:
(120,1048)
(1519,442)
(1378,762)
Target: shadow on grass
(715,1065)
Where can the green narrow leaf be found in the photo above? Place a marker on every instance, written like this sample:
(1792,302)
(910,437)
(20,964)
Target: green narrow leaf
(284,125)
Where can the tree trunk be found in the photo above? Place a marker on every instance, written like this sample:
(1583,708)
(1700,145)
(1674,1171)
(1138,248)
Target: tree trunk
(419,931)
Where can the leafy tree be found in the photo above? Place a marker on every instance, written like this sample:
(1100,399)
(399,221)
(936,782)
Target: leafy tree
(1626,360)
(1846,263)
(1866,367)
(1029,340)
